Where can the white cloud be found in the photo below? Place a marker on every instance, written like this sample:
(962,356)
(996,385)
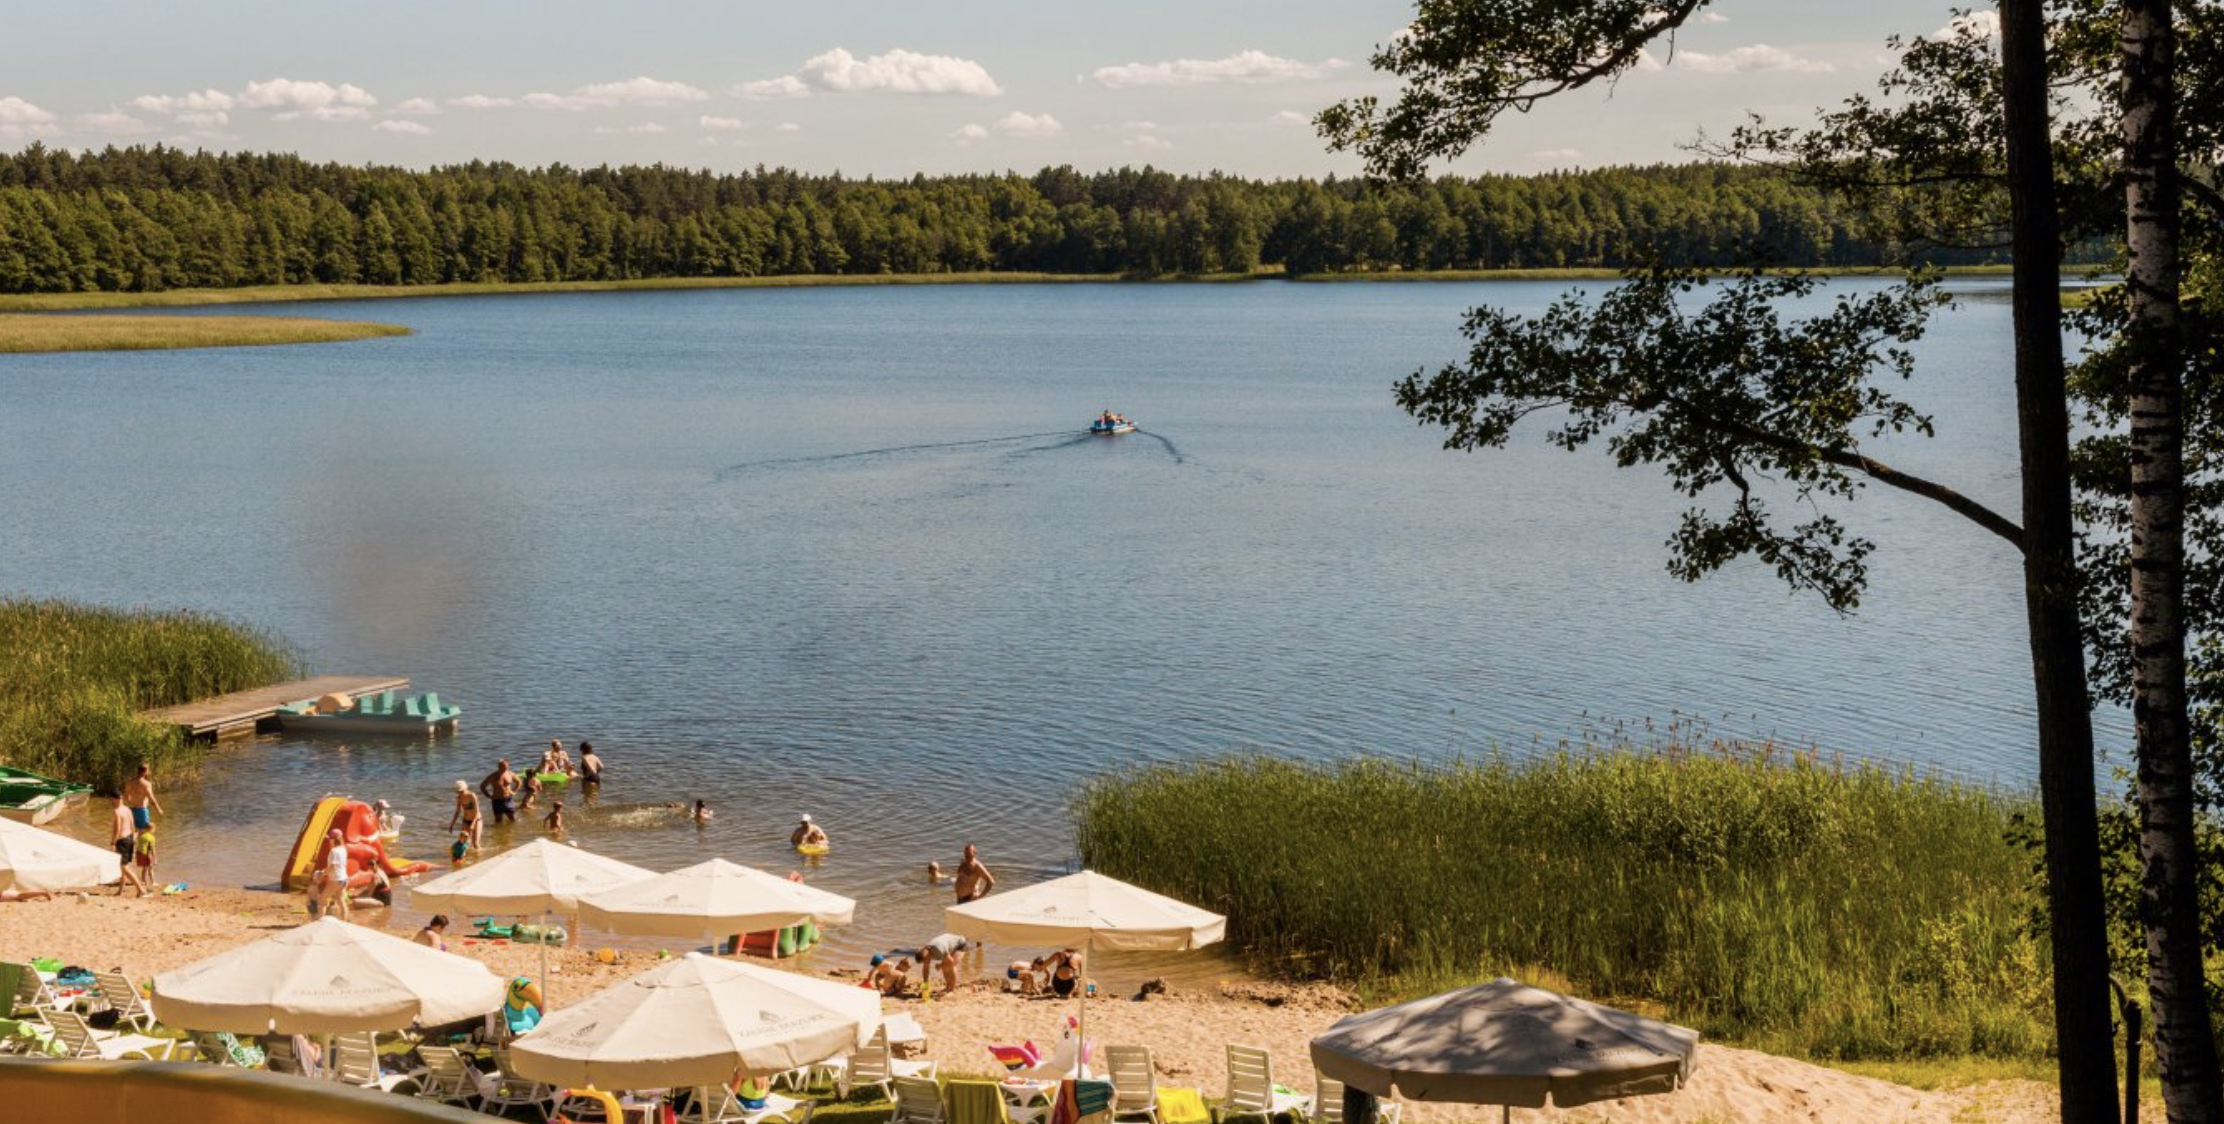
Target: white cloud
(787,127)
(709,122)
(206,120)
(481,101)
(1291,117)
(1985,24)
(1139,126)
(1243,66)
(203,102)
(650,128)
(413,128)
(16,111)
(1759,58)
(315,101)
(1713,17)
(1019,124)
(1148,143)
(646,92)
(418,107)
(898,72)
(773,89)
(1556,156)
(967,134)
(115,123)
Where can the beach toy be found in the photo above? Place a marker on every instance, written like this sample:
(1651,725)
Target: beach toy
(607,955)
(813,848)
(558,779)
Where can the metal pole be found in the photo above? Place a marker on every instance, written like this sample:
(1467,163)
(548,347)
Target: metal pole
(1081,991)
(548,986)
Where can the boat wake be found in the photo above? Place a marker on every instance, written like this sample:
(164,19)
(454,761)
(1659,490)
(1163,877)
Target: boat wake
(1172,450)
(731,471)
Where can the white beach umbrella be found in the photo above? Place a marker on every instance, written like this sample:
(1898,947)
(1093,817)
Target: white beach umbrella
(326,977)
(1505,1043)
(539,878)
(34,858)
(1091,910)
(712,899)
(697,1020)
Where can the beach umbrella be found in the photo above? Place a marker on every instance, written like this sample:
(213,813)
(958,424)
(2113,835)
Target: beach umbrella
(33,858)
(1508,1044)
(539,878)
(700,1021)
(1091,910)
(713,899)
(326,977)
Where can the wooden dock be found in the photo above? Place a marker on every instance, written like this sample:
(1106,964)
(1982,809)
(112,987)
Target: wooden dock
(240,711)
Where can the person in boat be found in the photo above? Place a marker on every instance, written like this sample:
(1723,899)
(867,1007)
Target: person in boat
(465,818)
(590,765)
(807,834)
(434,934)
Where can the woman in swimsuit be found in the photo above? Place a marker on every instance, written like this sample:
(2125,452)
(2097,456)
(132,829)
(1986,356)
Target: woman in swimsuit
(466,816)
(1065,972)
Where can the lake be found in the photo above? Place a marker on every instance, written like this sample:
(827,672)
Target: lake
(847,551)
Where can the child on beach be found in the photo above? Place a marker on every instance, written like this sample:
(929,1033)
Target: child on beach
(142,855)
(460,848)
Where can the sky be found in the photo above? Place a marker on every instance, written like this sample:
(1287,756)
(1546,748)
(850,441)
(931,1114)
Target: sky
(863,87)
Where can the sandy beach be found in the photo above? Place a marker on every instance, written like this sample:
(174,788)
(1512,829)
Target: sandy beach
(1185,1029)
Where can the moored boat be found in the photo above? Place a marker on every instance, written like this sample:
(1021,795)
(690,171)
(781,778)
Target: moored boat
(34,799)
(381,713)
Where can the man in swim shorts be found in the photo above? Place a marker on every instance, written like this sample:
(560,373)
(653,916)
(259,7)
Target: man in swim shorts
(807,834)
(139,795)
(499,786)
(120,832)
(974,880)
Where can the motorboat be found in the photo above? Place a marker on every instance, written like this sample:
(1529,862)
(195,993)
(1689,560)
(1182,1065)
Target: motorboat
(1107,426)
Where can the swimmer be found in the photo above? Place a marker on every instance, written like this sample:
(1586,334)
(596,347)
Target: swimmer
(807,834)
(974,880)
(590,765)
(702,812)
(935,876)
(554,821)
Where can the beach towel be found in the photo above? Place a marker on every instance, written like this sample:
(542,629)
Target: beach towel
(1182,1106)
(11,981)
(1080,1100)
(974,1102)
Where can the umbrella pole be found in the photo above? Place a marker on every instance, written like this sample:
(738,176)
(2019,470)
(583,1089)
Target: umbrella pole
(1081,993)
(547,986)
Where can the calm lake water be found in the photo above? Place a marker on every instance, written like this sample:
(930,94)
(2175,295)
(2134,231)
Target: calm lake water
(845,551)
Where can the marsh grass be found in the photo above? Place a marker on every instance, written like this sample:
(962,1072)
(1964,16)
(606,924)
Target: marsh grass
(1832,911)
(30,333)
(76,676)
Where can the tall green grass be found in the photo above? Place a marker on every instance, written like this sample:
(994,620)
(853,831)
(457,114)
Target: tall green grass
(1839,912)
(73,678)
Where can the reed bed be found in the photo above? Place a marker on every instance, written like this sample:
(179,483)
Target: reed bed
(1848,912)
(29,333)
(76,677)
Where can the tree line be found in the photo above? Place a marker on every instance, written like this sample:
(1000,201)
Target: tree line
(148,218)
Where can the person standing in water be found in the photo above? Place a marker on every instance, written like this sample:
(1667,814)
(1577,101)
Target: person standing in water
(465,819)
(139,795)
(500,786)
(590,765)
(974,881)
(120,832)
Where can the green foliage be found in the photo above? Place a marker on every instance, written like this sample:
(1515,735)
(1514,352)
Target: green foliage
(149,219)
(1832,910)
(78,675)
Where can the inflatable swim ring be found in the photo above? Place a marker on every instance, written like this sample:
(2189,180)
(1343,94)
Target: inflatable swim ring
(812,848)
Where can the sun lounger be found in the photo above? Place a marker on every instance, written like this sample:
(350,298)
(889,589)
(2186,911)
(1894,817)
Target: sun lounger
(1134,1083)
(355,1062)
(717,1104)
(119,994)
(876,1066)
(918,1101)
(504,1089)
(82,1041)
(447,1077)
(1251,1088)
(1328,1105)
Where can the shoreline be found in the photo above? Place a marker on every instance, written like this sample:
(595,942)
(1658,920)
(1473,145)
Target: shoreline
(37,333)
(1185,1028)
(276,294)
